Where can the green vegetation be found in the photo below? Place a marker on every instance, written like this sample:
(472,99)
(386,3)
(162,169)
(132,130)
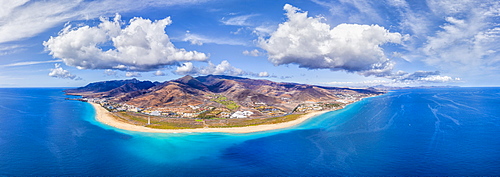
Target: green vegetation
(136,119)
(226,123)
(178,123)
(332,105)
(158,122)
(230,104)
(175,125)
(208,114)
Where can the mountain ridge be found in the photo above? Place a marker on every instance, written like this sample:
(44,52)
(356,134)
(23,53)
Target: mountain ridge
(216,91)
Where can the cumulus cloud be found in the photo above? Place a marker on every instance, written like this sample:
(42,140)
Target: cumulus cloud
(254,53)
(142,45)
(133,74)
(263,74)
(186,69)
(454,36)
(159,73)
(59,72)
(224,68)
(313,44)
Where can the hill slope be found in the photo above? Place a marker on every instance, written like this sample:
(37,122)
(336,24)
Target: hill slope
(216,91)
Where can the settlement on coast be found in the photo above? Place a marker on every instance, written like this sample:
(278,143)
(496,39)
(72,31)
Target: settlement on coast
(108,118)
(104,116)
(212,103)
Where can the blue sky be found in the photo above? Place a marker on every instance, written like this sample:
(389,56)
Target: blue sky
(334,43)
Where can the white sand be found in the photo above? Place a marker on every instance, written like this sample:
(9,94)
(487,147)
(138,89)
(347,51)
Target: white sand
(103,116)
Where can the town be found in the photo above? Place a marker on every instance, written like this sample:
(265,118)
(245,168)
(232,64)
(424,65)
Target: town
(229,108)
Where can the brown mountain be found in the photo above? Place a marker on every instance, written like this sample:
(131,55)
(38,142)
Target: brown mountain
(202,90)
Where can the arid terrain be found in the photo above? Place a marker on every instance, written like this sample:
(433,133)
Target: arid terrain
(214,100)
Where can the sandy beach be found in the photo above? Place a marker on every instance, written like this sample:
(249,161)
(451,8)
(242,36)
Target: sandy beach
(104,116)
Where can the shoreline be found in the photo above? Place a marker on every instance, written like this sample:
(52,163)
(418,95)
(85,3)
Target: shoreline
(102,115)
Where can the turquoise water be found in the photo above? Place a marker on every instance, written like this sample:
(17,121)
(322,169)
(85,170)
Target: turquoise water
(406,132)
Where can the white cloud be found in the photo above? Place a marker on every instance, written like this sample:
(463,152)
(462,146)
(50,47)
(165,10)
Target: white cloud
(310,43)
(469,40)
(133,74)
(10,49)
(421,77)
(263,74)
(449,7)
(141,46)
(224,68)
(424,80)
(109,72)
(439,79)
(238,20)
(362,83)
(263,30)
(30,63)
(313,44)
(193,39)
(196,39)
(59,72)
(355,11)
(185,69)
(454,36)
(20,19)
(159,73)
(8,6)
(254,53)
(238,31)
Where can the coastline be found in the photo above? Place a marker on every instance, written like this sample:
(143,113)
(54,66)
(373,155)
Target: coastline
(103,116)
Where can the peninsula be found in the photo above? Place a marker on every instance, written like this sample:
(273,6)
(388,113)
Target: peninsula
(212,103)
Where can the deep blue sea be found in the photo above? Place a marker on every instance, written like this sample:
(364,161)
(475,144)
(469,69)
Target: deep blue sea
(452,131)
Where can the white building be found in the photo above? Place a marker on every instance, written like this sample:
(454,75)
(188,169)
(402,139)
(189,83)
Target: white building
(155,113)
(190,115)
(241,114)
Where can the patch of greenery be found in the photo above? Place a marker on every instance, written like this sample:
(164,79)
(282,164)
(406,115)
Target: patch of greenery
(132,117)
(207,114)
(174,125)
(158,122)
(177,123)
(331,105)
(251,122)
(230,104)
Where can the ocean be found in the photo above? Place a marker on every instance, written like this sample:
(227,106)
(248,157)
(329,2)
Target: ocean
(418,132)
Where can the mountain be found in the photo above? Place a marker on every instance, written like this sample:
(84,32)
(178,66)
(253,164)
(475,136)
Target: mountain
(111,88)
(215,91)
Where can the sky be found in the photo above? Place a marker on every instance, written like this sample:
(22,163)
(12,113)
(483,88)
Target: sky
(356,43)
